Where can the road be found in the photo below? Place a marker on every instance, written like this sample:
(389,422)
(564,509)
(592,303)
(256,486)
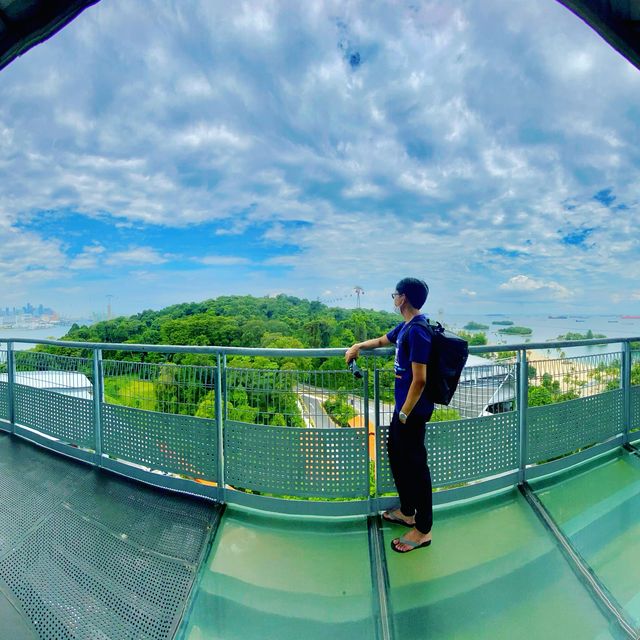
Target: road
(319,418)
(311,399)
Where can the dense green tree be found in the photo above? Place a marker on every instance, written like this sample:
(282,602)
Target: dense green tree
(252,332)
(280,322)
(240,321)
(278,420)
(340,410)
(549,392)
(319,332)
(476,338)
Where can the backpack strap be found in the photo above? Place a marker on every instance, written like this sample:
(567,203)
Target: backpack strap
(420,323)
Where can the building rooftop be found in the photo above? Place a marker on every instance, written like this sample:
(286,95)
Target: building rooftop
(67,382)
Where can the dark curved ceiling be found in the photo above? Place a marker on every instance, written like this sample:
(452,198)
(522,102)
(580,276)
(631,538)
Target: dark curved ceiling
(617,21)
(25,23)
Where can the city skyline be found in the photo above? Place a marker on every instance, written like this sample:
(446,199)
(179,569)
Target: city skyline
(168,155)
(27,308)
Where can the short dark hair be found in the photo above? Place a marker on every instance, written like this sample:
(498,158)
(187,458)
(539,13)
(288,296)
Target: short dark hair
(416,291)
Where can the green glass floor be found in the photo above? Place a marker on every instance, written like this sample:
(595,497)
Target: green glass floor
(599,512)
(87,555)
(492,572)
(274,577)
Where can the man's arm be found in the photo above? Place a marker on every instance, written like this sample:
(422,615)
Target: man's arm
(354,350)
(417,387)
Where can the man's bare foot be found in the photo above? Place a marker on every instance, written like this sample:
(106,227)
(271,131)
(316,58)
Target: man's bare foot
(396,514)
(414,536)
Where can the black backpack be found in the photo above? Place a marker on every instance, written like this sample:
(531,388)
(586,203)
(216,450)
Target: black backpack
(449,354)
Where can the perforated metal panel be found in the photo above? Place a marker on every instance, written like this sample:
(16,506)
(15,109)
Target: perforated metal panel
(4,401)
(461,450)
(559,429)
(32,485)
(117,504)
(92,556)
(64,417)
(635,407)
(470,449)
(76,582)
(297,462)
(168,442)
(384,479)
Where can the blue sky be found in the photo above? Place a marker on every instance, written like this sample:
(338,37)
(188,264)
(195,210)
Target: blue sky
(164,152)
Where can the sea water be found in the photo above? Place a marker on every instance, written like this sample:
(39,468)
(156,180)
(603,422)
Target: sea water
(52,332)
(546,329)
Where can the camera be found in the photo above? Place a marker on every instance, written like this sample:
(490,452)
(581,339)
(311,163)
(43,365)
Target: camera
(355,369)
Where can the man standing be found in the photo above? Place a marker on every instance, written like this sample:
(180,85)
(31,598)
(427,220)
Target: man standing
(406,447)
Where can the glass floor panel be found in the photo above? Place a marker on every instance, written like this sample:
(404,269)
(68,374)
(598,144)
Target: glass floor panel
(599,512)
(493,572)
(276,577)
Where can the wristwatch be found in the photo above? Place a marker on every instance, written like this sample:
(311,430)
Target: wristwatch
(403,417)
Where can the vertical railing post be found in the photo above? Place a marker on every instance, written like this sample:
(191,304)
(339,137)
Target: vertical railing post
(98,399)
(373,447)
(11,382)
(626,390)
(523,405)
(220,414)
(365,410)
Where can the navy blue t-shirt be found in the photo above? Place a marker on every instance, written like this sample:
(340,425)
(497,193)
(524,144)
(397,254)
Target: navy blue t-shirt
(413,344)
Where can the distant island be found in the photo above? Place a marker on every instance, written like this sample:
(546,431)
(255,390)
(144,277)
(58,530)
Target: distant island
(572,335)
(476,326)
(520,331)
(506,323)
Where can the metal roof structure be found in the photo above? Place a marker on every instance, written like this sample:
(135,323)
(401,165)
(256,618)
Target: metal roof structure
(26,23)
(69,383)
(617,21)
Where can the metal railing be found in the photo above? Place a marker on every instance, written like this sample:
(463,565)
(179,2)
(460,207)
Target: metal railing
(294,431)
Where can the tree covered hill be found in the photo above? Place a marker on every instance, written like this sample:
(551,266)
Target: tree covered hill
(242,321)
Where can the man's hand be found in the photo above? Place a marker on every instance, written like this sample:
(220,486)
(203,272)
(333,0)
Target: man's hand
(352,353)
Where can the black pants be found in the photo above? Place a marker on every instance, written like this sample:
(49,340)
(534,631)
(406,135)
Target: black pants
(408,460)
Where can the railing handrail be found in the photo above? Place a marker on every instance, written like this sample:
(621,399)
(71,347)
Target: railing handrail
(303,353)
(96,423)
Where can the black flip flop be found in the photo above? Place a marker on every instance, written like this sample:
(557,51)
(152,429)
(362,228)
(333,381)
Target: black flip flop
(397,521)
(413,545)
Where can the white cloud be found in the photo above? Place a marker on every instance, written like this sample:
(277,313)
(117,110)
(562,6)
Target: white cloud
(363,190)
(527,284)
(26,257)
(89,258)
(250,118)
(204,134)
(222,261)
(136,255)
(419,181)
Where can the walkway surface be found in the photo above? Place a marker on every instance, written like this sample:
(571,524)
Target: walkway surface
(494,571)
(90,555)
(84,554)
